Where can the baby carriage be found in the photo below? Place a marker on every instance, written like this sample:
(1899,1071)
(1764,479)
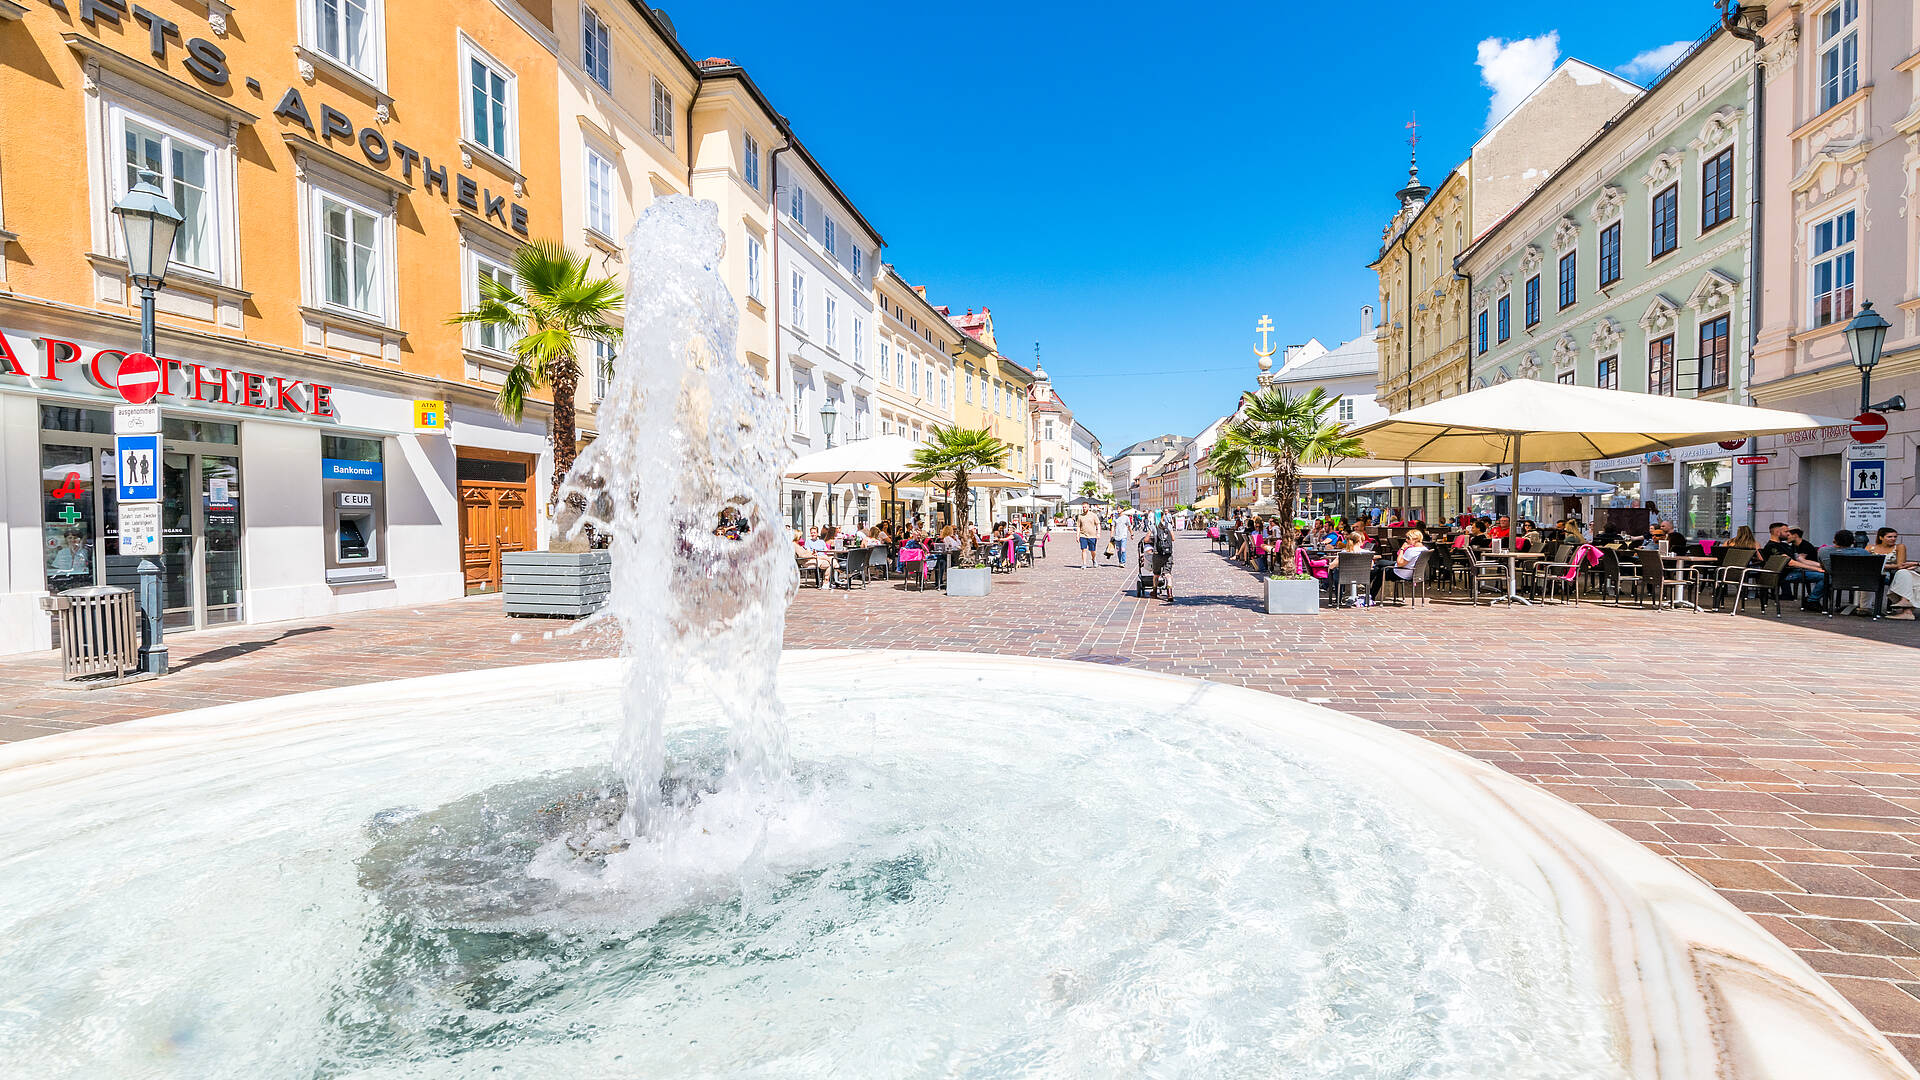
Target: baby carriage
(1156,564)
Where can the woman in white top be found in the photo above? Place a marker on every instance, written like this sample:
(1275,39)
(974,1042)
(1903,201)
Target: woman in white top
(1403,562)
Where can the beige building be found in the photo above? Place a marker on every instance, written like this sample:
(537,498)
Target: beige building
(914,382)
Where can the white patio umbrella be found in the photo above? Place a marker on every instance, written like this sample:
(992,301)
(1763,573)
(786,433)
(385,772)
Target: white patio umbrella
(1394,482)
(1561,422)
(1543,482)
(884,459)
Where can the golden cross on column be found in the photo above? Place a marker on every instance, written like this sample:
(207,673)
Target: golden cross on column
(1266,350)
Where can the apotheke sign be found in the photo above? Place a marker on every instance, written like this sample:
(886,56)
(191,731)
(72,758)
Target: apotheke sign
(49,363)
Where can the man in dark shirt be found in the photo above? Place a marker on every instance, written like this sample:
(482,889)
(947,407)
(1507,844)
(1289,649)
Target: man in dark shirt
(1803,562)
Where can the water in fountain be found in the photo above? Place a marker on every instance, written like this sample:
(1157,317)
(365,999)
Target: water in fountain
(686,433)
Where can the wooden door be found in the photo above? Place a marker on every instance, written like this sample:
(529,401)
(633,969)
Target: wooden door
(496,517)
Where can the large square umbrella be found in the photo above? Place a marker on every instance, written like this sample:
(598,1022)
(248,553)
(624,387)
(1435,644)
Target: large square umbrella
(1562,422)
(884,459)
(1543,482)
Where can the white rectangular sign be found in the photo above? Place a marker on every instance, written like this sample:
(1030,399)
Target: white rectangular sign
(140,528)
(136,420)
(1863,516)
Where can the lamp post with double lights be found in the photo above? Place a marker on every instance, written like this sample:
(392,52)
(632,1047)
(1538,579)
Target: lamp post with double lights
(1866,336)
(148,223)
(829,412)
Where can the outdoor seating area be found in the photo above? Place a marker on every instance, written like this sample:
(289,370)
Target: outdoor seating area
(911,558)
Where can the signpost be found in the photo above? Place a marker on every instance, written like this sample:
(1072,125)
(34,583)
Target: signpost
(1868,428)
(139,378)
(139,471)
(140,528)
(136,449)
(1867,478)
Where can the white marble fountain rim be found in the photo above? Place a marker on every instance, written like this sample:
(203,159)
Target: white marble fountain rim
(1703,990)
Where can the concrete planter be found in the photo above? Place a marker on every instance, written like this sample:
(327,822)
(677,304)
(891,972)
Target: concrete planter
(1293,596)
(565,583)
(974,581)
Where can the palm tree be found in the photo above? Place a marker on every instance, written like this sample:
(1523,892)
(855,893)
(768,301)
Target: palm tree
(952,453)
(1229,465)
(550,306)
(1286,430)
(1088,489)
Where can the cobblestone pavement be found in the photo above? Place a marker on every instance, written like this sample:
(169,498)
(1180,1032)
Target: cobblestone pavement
(1776,759)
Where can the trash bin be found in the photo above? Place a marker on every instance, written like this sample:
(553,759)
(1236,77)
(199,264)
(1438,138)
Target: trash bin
(99,630)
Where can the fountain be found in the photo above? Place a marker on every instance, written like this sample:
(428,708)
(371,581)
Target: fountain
(920,864)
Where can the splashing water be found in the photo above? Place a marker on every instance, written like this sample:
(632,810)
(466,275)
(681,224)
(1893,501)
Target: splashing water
(687,433)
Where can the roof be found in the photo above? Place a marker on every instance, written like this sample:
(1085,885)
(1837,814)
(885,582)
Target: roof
(1361,356)
(1153,446)
(972,322)
(1578,70)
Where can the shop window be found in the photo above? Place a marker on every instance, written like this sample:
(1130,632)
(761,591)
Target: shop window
(491,471)
(68,515)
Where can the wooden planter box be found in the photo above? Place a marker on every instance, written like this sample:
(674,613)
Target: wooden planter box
(1293,596)
(565,583)
(974,581)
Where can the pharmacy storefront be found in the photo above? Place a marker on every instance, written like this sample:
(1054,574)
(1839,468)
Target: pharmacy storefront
(289,488)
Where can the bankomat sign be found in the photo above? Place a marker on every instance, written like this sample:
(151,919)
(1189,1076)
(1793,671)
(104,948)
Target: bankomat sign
(50,363)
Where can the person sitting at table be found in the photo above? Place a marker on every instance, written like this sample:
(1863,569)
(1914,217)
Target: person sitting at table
(1477,536)
(1608,535)
(1531,534)
(1501,529)
(810,552)
(1402,564)
(1802,567)
(1903,583)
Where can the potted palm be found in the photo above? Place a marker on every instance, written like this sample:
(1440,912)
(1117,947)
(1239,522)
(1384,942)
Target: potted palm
(549,306)
(950,456)
(1285,431)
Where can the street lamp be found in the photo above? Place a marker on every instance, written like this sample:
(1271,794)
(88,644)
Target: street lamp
(829,412)
(148,222)
(1866,334)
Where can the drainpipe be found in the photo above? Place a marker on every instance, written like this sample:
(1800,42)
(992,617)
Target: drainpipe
(1756,149)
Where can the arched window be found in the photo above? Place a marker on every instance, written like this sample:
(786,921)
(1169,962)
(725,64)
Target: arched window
(1049,471)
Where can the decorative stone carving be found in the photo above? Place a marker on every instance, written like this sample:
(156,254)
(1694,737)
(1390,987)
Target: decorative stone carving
(90,76)
(1530,260)
(1661,316)
(1779,53)
(382,112)
(1480,383)
(1501,376)
(1720,128)
(306,70)
(1606,336)
(466,158)
(1529,365)
(1567,236)
(1664,168)
(1609,204)
(1714,294)
(1481,297)
(217,21)
(1565,352)
(1504,282)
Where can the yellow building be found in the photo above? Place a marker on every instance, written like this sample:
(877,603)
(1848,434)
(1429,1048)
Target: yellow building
(343,187)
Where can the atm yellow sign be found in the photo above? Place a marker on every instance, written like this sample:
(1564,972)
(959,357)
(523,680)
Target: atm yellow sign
(431,416)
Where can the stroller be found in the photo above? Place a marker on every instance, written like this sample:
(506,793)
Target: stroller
(1156,563)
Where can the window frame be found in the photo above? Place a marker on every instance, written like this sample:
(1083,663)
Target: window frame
(750,160)
(829,236)
(1606,372)
(797,204)
(797,300)
(1480,330)
(480,266)
(1610,238)
(598,55)
(663,123)
(1569,280)
(754,267)
(1669,195)
(1717,364)
(602,366)
(1503,321)
(1847,251)
(1830,91)
(590,155)
(471,54)
(1717,190)
(382,289)
(118,185)
(312,35)
(1532,292)
(831,311)
(1665,385)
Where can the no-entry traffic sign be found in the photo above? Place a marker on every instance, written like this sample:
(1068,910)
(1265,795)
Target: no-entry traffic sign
(139,378)
(1869,427)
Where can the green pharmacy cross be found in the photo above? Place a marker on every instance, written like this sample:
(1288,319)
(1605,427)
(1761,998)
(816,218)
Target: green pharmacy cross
(68,514)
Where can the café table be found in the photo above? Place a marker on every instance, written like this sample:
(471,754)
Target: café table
(1688,580)
(1513,560)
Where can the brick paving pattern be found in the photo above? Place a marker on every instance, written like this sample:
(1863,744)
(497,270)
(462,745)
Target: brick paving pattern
(1775,759)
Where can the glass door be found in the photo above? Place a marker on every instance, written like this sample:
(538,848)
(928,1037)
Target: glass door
(220,538)
(179,510)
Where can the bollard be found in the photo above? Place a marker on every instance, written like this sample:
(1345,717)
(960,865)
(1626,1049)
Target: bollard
(153,648)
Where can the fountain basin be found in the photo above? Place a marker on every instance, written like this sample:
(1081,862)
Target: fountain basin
(996,866)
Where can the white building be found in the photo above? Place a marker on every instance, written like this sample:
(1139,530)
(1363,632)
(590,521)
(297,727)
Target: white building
(1053,441)
(1086,463)
(822,268)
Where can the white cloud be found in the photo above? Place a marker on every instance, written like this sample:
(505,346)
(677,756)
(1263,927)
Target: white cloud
(1654,61)
(1512,69)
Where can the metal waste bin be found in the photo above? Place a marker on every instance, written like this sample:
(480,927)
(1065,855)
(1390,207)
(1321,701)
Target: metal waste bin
(99,630)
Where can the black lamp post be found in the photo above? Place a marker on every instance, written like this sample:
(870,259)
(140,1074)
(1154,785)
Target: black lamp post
(148,223)
(829,412)
(1866,334)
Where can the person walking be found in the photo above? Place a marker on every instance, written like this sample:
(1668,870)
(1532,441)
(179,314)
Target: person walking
(1089,528)
(1122,535)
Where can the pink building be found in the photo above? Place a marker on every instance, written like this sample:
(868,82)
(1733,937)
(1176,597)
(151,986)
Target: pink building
(1840,220)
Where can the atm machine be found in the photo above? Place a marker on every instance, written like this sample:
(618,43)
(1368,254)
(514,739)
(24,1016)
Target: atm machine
(355,522)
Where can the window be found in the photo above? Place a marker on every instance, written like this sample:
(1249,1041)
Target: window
(1715,351)
(490,105)
(1666,221)
(1607,375)
(799,407)
(663,113)
(916,378)
(827,234)
(1716,190)
(350,256)
(946,391)
(1533,301)
(883,359)
(1506,318)
(345,31)
(969,384)
(750,160)
(859,343)
(1344,410)
(599,194)
(833,320)
(1565,378)
(1832,284)
(797,301)
(1047,471)
(857,259)
(899,366)
(1569,279)
(797,205)
(487,336)
(1610,255)
(753,269)
(185,168)
(602,369)
(596,48)
(1481,325)
(1839,53)
(1660,366)
(1046,426)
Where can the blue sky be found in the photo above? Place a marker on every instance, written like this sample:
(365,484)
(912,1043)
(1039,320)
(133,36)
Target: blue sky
(1133,186)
